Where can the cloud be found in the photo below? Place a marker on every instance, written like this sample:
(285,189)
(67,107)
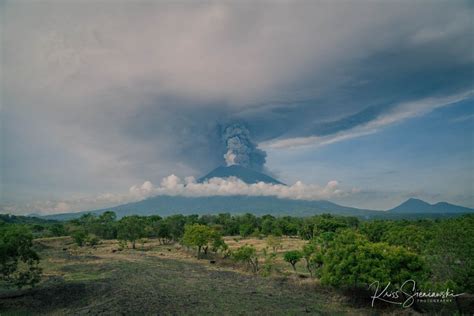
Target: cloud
(173,185)
(399,113)
(107,94)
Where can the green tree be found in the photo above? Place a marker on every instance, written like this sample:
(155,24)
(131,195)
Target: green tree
(197,235)
(176,225)
(293,257)
(217,242)
(163,232)
(18,261)
(105,226)
(246,229)
(268,224)
(131,228)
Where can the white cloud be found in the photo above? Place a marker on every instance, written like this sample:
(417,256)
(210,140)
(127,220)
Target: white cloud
(175,186)
(401,112)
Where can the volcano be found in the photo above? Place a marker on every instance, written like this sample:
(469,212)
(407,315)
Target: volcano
(247,175)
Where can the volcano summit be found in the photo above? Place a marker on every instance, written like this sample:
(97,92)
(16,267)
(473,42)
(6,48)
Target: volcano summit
(247,175)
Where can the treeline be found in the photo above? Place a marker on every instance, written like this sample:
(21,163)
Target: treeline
(341,251)
(106,225)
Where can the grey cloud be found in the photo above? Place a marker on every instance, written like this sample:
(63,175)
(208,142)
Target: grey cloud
(127,91)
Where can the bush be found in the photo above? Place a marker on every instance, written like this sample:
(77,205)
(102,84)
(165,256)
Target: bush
(312,257)
(79,237)
(351,261)
(269,264)
(18,261)
(451,253)
(248,255)
(274,242)
(91,240)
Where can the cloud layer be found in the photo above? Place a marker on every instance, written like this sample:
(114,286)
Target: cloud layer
(188,187)
(173,185)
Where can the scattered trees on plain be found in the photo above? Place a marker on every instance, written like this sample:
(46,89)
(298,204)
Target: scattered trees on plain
(341,251)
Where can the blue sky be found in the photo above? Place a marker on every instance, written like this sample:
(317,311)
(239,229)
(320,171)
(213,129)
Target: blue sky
(367,103)
(428,157)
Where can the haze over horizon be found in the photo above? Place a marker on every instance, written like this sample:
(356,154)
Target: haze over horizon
(365,104)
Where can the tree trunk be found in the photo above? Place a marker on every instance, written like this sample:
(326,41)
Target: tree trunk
(133,244)
(309,269)
(199,251)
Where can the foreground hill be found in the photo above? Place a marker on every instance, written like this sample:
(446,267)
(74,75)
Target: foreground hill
(14,219)
(411,206)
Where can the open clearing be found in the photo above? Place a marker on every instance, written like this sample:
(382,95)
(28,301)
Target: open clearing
(164,279)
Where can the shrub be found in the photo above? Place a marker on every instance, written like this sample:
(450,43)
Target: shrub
(274,242)
(18,261)
(248,255)
(352,261)
(269,264)
(79,237)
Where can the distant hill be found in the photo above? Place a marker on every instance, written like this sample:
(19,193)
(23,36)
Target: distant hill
(165,205)
(420,206)
(245,174)
(18,219)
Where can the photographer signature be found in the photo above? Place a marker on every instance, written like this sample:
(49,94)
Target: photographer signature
(407,289)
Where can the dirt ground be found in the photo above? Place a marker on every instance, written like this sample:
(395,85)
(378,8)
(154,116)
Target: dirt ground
(164,280)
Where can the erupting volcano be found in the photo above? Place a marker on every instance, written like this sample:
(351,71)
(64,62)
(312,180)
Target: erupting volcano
(247,175)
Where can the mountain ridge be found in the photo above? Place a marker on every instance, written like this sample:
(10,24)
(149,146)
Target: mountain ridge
(165,205)
(413,205)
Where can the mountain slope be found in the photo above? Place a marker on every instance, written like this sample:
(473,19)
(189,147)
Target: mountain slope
(245,174)
(420,206)
(165,205)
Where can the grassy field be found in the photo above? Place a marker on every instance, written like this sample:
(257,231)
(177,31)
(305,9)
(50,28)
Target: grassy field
(167,279)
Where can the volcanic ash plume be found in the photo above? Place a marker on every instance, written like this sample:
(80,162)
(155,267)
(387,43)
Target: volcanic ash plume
(240,148)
